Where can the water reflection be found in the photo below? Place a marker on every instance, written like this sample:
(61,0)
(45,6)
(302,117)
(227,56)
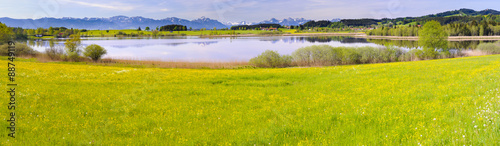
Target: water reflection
(194,48)
(319,39)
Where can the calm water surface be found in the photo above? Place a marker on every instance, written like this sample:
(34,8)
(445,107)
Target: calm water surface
(193,48)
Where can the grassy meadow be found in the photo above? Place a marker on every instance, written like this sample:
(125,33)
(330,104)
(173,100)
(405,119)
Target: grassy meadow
(436,102)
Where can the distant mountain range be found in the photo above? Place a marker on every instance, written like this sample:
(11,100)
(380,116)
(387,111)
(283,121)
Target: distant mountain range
(124,22)
(116,22)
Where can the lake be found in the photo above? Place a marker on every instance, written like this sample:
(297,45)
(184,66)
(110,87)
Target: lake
(194,48)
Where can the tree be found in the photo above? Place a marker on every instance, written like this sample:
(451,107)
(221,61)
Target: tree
(139,29)
(94,52)
(432,37)
(5,33)
(51,31)
(72,45)
(39,31)
(147,28)
(155,33)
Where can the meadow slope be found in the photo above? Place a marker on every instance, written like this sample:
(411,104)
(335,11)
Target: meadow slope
(448,101)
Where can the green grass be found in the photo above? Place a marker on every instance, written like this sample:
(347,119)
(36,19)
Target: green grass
(438,102)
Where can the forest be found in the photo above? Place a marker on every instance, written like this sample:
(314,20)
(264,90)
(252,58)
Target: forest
(473,28)
(253,27)
(173,27)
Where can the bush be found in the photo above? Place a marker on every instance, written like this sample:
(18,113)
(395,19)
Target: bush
(73,56)
(350,56)
(271,59)
(324,55)
(391,54)
(21,50)
(414,54)
(369,55)
(94,52)
(489,48)
(317,55)
(55,53)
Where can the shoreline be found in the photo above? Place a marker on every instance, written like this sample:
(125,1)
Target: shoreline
(351,34)
(450,38)
(362,35)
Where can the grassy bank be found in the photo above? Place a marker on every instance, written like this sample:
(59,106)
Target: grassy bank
(437,102)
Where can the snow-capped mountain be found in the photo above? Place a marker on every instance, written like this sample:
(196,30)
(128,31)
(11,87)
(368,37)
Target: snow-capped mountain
(238,23)
(124,22)
(335,20)
(115,22)
(286,21)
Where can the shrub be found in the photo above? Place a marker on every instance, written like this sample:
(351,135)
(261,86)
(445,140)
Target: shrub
(414,54)
(21,50)
(271,59)
(94,52)
(55,53)
(350,56)
(369,55)
(391,54)
(489,48)
(317,55)
(73,56)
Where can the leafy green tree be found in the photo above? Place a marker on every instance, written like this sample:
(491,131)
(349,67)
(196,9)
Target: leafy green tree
(139,29)
(155,33)
(72,45)
(94,52)
(6,33)
(39,31)
(432,37)
(147,28)
(51,31)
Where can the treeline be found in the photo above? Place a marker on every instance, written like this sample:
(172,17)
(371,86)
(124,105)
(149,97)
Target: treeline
(173,27)
(410,30)
(360,22)
(58,32)
(473,28)
(485,28)
(414,44)
(322,23)
(442,18)
(254,27)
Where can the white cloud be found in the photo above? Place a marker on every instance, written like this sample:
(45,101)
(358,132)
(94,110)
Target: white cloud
(104,6)
(163,10)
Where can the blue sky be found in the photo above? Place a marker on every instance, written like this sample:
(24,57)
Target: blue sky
(236,10)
